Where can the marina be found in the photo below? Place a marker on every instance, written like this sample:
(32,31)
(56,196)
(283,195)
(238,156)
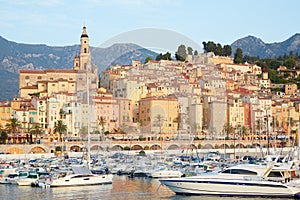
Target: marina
(150,175)
(128,120)
(123,187)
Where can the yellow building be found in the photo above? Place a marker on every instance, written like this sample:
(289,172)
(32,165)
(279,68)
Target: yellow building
(49,81)
(158,115)
(5,113)
(235,112)
(290,88)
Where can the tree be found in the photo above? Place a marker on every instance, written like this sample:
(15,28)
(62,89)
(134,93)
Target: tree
(244,131)
(160,119)
(166,56)
(211,47)
(101,123)
(181,53)
(190,50)
(227,51)
(258,127)
(195,52)
(228,128)
(159,57)
(148,59)
(36,129)
(204,46)
(219,50)
(60,128)
(4,137)
(238,56)
(13,127)
(290,63)
(83,132)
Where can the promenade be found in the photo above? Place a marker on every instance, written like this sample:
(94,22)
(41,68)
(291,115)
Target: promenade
(118,145)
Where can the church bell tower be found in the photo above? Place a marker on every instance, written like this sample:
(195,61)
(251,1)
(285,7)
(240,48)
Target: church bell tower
(85,56)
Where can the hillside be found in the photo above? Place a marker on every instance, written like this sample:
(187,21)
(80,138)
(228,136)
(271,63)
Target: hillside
(15,56)
(254,46)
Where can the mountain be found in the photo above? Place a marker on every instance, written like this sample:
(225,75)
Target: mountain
(15,56)
(254,46)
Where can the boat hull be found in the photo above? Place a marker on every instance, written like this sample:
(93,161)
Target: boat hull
(71,181)
(229,188)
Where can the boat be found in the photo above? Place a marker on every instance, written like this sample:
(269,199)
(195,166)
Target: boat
(81,176)
(238,180)
(8,179)
(7,175)
(27,181)
(22,174)
(166,173)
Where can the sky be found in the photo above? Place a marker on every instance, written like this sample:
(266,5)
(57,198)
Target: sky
(60,22)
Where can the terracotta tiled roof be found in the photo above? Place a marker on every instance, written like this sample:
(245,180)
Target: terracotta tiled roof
(30,87)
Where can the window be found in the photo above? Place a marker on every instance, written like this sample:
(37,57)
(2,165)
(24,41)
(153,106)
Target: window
(26,77)
(39,77)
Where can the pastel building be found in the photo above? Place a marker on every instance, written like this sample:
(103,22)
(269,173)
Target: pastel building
(49,81)
(158,115)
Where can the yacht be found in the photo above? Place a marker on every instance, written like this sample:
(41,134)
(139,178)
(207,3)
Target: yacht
(166,173)
(239,180)
(26,181)
(80,176)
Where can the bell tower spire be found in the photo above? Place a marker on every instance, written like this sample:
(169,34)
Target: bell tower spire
(85,56)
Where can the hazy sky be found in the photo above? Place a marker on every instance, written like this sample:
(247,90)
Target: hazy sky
(59,23)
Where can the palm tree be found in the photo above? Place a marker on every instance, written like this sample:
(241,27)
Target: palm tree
(60,128)
(258,126)
(13,126)
(228,128)
(244,131)
(36,129)
(101,123)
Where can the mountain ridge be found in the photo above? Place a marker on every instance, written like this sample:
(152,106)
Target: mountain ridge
(18,56)
(254,46)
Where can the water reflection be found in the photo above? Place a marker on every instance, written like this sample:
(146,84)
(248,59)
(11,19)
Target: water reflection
(123,187)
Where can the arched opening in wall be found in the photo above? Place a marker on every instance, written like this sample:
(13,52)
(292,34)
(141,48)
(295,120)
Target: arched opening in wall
(37,149)
(97,148)
(173,147)
(208,146)
(136,147)
(241,146)
(226,146)
(155,147)
(14,150)
(117,148)
(75,148)
(85,50)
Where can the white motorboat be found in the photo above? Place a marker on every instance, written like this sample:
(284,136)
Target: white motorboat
(8,179)
(80,176)
(239,180)
(27,181)
(166,173)
(21,175)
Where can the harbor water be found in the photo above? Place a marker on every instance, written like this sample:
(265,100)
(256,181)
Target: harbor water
(123,187)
